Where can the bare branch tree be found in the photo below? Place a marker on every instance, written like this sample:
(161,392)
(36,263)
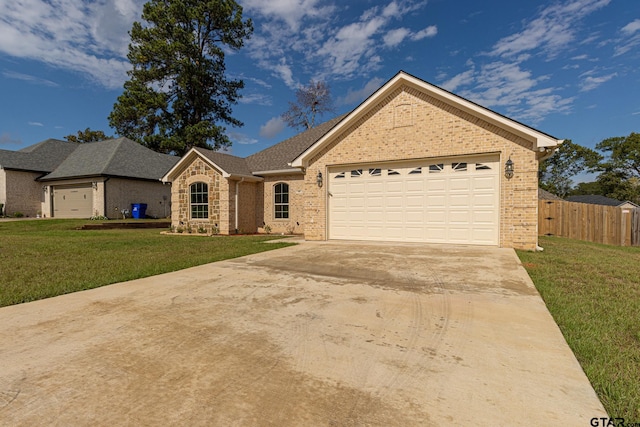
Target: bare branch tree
(312,100)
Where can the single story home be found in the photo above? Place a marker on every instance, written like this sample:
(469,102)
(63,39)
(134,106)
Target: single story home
(64,179)
(595,199)
(412,163)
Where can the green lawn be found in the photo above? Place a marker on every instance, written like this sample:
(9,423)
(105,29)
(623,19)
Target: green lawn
(45,258)
(593,293)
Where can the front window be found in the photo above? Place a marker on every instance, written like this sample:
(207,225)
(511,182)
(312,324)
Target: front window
(199,200)
(281,200)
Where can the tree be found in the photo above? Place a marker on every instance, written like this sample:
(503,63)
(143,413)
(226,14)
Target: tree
(586,188)
(87,135)
(569,160)
(620,177)
(178,96)
(311,101)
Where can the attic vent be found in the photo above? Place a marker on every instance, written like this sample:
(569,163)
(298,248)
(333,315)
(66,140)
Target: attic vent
(403,115)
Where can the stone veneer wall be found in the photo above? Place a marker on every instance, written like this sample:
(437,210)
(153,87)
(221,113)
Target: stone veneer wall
(409,124)
(295,222)
(199,171)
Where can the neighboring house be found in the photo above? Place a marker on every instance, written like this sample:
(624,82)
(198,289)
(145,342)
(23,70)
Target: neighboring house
(69,180)
(595,199)
(546,195)
(412,163)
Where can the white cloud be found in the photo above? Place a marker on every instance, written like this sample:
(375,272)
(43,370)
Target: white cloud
(337,45)
(256,99)
(292,12)
(630,38)
(283,70)
(356,96)
(87,38)
(507,83)
(551,31)
(35,124)
(29,78)
(430,31)
(7,139)
(395,37)
(458,80)
(241,138)
(631,27)
(272,128)
(590,83)
(509,86)
(398,35)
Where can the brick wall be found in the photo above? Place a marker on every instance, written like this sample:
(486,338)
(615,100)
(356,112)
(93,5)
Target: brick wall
(22,193)
(121,193)
(409,124)
(295,222)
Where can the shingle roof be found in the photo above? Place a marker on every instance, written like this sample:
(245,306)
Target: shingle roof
(115,157)
(545,195)
(43,157)
(277,157)
(595,199)
(229,163)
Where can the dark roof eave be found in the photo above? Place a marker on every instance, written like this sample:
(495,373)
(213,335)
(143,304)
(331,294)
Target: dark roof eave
(68,178)
(24,170)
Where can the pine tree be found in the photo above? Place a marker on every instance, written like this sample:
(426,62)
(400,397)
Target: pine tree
(178,95)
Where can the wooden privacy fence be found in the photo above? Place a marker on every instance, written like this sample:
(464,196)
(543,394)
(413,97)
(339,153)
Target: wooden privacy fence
(594,223)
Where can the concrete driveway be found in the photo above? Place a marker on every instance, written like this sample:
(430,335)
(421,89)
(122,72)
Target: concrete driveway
(334,334)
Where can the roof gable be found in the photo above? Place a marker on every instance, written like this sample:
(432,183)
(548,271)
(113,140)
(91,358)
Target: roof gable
(230,166)
(540,140)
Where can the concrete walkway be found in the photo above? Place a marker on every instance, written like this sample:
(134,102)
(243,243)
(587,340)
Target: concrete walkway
(317,334)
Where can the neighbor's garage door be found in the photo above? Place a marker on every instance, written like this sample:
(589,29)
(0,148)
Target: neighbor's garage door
(436,201)
(72,201)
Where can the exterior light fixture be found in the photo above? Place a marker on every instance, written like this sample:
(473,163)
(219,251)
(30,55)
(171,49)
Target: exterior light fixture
(319,179)
(94,184)
(45,188)
(508,168)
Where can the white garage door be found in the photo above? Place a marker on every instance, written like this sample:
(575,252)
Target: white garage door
(435,201)
(72,201)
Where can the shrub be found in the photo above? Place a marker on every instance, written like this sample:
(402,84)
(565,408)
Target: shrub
(18,215)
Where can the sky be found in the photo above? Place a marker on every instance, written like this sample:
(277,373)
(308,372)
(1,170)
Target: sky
(568,68)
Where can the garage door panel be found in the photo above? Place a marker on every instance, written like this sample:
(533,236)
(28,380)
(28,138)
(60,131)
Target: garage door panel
(415,201)
(484,183)
(436,184)
(438,201)
(482,200)
(460,200)
(459,184)
(416,186)
(73,201)
(483,217)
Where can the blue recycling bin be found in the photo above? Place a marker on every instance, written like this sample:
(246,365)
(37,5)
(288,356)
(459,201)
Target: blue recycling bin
(138,210)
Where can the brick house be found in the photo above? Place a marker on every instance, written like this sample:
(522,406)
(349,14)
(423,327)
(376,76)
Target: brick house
(412,163)
(64,179)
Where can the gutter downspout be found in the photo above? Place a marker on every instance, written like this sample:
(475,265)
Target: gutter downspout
(237,197)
